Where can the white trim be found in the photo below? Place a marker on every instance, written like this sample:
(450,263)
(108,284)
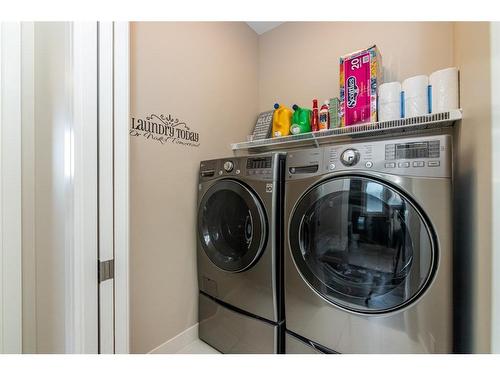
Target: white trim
(495,119)
(10,189)
(82,335)
(28,187)
(121,162)
(175,344)
(106,288)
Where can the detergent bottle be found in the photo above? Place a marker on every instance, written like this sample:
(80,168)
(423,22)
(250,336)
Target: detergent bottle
(282,119)
(324,116)
(301,120)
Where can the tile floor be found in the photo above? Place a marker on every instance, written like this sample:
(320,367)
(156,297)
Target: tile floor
(198,347)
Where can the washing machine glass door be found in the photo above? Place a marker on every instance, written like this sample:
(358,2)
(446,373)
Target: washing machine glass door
(362,244)
(232,227)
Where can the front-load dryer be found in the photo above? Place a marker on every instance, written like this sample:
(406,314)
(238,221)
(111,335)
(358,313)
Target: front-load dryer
(239,256)
(368,253)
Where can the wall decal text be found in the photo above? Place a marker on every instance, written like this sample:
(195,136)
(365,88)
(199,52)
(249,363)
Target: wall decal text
(164,129)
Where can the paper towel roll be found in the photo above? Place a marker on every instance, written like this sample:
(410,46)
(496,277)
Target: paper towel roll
(444,90)
(389,101)
(389,111)
(416,98)
(389,92)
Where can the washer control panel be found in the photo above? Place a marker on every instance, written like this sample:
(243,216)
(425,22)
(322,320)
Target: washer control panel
(259,167)
(428,156)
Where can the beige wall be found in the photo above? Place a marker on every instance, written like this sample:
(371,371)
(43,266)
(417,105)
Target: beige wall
(204,74)
(299,61)
(473,182)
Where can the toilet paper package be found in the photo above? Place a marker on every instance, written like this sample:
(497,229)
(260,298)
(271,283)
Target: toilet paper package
(444,90)
(389,101)
(360,75)
(416,96)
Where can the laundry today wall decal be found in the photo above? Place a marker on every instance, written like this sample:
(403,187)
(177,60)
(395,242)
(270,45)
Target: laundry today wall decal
(164,129)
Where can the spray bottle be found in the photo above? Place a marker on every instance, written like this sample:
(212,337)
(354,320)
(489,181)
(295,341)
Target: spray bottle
(324,116)
(315,117)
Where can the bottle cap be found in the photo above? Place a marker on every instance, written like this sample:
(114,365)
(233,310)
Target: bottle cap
(276,105)
(295,107)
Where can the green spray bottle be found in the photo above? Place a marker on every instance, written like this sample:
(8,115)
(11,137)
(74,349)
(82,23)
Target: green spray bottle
(301,120)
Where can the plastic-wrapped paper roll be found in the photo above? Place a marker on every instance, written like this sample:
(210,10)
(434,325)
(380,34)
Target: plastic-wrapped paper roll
(389,101)
(444,90)
(389,92)
(416,97)
(389,111)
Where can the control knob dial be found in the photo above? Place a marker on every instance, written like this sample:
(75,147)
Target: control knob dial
(350,157)
(228,166)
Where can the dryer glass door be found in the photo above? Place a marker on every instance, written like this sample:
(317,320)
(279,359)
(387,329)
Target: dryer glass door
(232,227)
(362,245)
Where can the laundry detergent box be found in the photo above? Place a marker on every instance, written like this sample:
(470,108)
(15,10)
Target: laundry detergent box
(360,76)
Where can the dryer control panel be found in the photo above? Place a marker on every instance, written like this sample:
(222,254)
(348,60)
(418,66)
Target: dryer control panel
(420,157)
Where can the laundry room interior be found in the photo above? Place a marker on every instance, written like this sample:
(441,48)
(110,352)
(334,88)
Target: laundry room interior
(217,77)
(233,187)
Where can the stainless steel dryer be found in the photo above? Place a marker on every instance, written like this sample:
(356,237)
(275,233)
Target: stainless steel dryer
(240,247)
(368,254)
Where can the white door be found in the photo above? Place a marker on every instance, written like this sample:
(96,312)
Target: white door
(64,141)
(113,78)
(106,201)
(10,188)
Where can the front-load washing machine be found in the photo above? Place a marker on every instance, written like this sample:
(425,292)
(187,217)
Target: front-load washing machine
(368,254)
(240,249)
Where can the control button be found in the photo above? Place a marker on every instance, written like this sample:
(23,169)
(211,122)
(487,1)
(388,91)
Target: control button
(331,167)
(220,172)
(238,171)
(228,166)
(418,164)
(390,165)
(404,165)
(368,164)
(292,170)
(349,157)
(433,163)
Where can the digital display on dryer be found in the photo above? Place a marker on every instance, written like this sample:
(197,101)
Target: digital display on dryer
(259,163)
(412,150)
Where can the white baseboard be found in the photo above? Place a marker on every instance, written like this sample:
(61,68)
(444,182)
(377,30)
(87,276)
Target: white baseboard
(178,342)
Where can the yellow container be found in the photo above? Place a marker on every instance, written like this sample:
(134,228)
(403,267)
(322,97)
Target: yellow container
(282,119)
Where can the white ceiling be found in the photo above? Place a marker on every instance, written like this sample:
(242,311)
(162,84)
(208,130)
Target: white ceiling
(262,27)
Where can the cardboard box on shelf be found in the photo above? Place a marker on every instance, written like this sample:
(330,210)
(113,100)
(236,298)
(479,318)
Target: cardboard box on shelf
(360,76)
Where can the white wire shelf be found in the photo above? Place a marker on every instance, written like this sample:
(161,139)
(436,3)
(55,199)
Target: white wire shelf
(393,128)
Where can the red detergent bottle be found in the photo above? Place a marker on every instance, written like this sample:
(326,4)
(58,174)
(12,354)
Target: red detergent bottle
(315,116)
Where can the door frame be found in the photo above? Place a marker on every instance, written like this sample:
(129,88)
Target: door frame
(121,185)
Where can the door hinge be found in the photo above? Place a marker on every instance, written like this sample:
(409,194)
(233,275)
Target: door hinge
(106,270)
